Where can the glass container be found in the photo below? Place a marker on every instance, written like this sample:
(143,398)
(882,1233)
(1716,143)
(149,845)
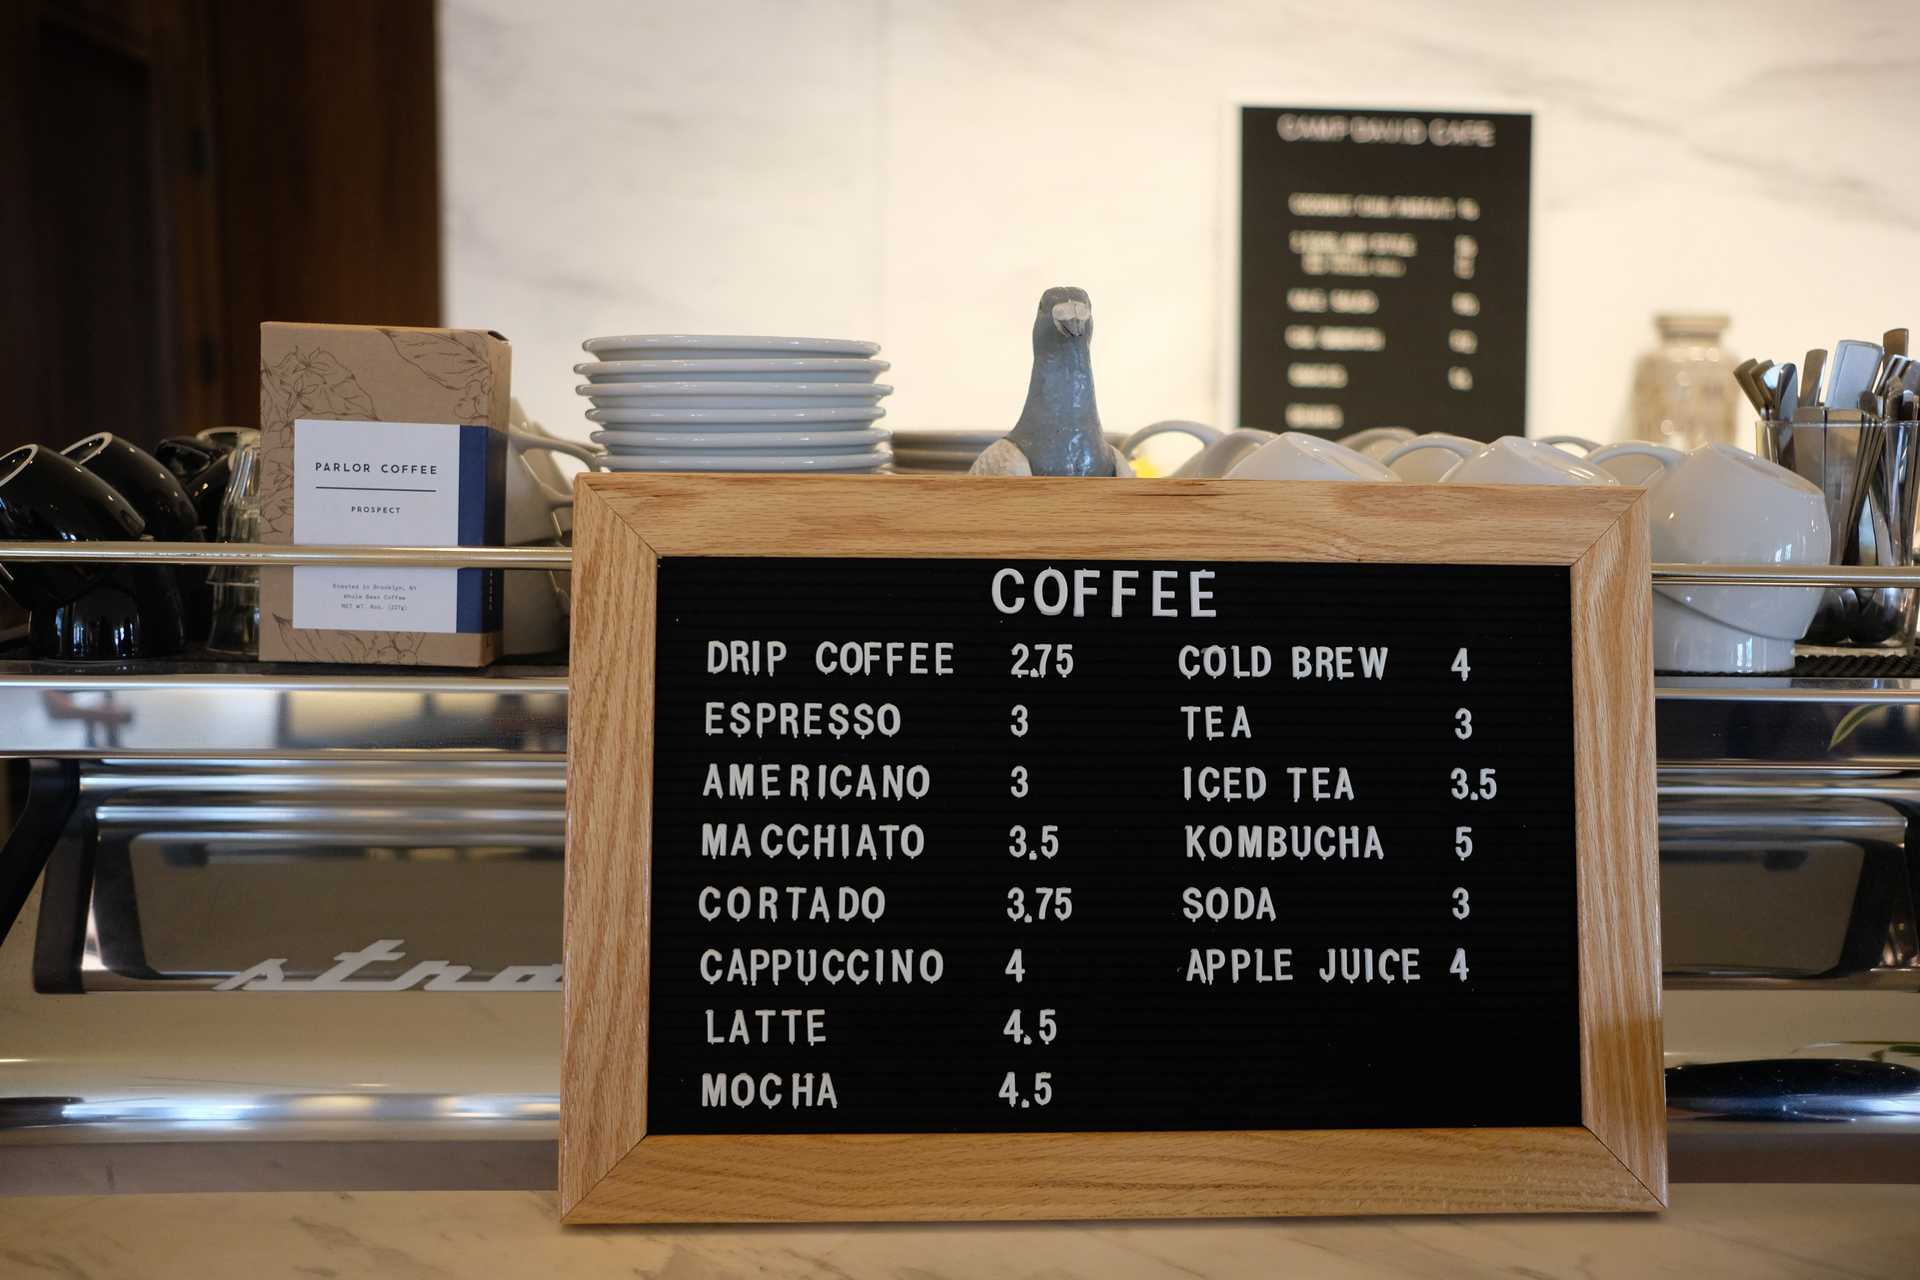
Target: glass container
(1683,390)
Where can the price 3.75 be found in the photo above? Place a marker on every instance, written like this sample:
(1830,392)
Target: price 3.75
(1048,903)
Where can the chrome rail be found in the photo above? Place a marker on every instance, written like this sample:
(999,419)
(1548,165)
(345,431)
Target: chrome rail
(1785,575)
(250,553)
(255,554)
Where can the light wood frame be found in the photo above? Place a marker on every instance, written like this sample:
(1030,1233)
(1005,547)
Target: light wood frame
(612,1171)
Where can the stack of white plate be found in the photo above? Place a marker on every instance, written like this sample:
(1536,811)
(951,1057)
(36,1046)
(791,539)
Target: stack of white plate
(704,402)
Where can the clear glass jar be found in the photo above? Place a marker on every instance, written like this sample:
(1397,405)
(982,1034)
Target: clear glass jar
(1683,390)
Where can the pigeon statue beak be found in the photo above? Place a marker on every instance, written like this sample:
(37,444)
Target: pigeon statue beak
(1070,319)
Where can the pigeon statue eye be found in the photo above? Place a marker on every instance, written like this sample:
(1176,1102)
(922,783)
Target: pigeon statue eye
(1058,433)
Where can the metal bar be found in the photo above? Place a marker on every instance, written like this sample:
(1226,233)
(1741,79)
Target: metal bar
(1786,575)
(1861,693)
(248,553)
(400,680)
(244,553)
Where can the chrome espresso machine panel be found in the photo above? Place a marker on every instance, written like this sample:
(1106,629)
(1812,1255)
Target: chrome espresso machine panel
(321,906)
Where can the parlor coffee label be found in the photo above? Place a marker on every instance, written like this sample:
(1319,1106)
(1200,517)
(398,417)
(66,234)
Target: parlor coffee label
(414,484)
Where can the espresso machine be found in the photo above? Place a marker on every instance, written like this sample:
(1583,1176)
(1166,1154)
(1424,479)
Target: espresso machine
(298,927)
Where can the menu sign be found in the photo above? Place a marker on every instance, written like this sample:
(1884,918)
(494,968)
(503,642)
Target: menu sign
(1149,823)
(1031,844)
(1383,270)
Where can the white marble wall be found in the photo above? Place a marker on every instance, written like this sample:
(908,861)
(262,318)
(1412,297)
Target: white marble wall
(915,171)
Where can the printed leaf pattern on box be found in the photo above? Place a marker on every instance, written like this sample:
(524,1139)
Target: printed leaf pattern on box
(387,648)
(303,384)
(457,361)
(310,384)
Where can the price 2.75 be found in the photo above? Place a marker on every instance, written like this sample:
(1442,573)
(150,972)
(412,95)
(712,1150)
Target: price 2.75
(1037,661)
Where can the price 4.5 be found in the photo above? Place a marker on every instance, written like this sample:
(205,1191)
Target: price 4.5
(1045,1028)
(1039,1095)
(1046,904)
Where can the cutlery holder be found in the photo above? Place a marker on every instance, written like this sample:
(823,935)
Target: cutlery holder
(1867,469)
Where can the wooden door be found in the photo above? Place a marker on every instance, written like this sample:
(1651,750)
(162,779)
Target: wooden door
(176,172)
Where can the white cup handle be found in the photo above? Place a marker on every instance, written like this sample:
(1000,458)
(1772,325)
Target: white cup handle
(1200,431)
(1228,452)
(1455,448)
(1662,454)
(524,441)
(1586,446)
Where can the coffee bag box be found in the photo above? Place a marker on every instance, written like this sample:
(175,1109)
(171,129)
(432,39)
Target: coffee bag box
(382,436)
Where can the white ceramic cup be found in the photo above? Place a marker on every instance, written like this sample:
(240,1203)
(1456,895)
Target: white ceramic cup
(1508,460)
(533,604)
(1635,461)
(1722,505)
(531,501)
(1219,448)
(1294,455)
(1424,459)
(532,611)
(1377,442)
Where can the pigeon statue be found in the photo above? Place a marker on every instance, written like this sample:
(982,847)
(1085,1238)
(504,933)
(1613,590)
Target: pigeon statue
(1059,429)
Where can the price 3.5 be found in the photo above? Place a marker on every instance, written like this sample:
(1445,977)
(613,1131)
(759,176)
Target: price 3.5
(1466,787)
(1045,845)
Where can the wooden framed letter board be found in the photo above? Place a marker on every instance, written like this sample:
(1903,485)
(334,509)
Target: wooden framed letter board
(947,848)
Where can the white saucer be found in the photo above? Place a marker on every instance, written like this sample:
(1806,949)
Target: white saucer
(739,400)
(715,346)
(602,372)
(618,441)
(801,391)
(826,418)
(723,461)
(733,395)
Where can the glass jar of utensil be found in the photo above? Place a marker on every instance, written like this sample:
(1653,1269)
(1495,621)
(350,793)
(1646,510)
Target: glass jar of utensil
(1869,469)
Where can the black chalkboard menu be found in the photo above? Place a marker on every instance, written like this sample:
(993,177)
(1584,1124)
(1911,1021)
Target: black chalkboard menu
(1383,270)
(1000,845)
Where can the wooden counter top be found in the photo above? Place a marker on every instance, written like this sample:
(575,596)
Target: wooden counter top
(1750,1231)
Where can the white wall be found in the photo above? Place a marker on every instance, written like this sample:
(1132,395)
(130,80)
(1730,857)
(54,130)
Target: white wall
(917,171)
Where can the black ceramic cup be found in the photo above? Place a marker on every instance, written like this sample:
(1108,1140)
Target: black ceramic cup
(227,437)
(162,502)
(81,612)
(207,489)
(184,455)
(143,481)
